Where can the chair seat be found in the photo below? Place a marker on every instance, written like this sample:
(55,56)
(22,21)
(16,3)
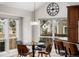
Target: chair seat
(25,54)
(44,52)
(38,48)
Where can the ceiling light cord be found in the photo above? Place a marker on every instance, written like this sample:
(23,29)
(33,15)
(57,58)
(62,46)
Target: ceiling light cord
(34,22)
(34,10)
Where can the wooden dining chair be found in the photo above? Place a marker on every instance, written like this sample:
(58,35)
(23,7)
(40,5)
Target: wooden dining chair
(23,50)
(59,48)
(71,49)
(45,52)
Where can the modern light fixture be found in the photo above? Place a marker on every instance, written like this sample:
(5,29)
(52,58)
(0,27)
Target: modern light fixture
(34,22)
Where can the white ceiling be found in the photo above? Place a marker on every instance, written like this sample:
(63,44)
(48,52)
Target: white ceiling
(28,6)
(73,3)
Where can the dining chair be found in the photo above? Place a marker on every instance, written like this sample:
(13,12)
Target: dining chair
(23,50)
(45,52)
(59,48)
(71,49)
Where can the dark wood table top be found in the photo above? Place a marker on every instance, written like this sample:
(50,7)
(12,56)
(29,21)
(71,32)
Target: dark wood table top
(33,47)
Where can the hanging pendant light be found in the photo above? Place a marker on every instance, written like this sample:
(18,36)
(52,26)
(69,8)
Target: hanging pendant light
(34,22)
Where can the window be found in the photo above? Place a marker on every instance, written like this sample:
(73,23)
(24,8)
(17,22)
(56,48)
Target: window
(8,34)
(12,33)
(65,30)
(46,27)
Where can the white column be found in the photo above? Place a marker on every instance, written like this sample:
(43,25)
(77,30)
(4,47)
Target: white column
(17,30)
(6,32)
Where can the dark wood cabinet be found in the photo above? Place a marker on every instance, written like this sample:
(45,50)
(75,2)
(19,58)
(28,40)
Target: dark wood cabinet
(73,16)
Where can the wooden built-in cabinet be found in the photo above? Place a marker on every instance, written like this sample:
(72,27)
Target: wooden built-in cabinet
(12,43)
(73,17)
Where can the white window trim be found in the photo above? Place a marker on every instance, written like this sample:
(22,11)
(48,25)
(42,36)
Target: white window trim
(8,52)
(64,29)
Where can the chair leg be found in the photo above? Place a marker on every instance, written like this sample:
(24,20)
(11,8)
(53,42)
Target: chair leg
(55,50)
(18,55)
(38,54)
(58,50)
(45,55)
(41,54)
(49,55)
(65,52)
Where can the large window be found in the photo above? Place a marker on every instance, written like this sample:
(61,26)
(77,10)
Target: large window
(8,35)
(45,31)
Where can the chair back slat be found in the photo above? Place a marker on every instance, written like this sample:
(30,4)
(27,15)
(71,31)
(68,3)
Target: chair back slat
(71,48)
(49,48)
(58,44)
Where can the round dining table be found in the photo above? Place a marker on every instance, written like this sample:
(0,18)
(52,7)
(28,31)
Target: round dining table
(34,48)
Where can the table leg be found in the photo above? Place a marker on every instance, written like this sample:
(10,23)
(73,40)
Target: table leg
(33,48)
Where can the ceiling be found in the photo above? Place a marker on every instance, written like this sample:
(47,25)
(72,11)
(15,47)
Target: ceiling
(73,3)
(28,6)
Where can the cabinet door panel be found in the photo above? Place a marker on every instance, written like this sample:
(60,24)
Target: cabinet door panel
(73,25)
(73,12)
(72,35)
(73,16)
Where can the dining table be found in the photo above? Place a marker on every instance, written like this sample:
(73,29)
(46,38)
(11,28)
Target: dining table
(34,45)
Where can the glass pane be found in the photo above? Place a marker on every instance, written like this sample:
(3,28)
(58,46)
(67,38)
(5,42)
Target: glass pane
(12,34)
(2,42)
(45,27)
(61,28)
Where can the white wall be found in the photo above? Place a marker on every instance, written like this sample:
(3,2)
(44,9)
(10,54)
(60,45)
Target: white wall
(42,13)
(27,31)
(20,13)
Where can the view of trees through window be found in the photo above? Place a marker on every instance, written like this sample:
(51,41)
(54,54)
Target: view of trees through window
(7,32)
(12,34)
